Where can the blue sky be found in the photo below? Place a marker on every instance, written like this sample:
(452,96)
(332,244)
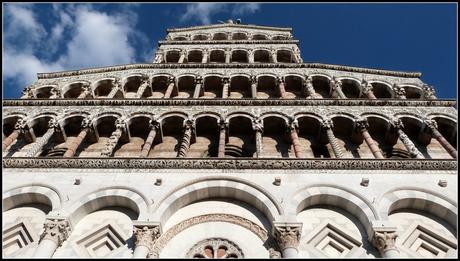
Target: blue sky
(57,37)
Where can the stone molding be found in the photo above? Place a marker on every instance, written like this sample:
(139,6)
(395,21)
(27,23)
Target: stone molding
(219,163)
(228,25)
(251,226)
(224,102)
(228,66)
(218,42)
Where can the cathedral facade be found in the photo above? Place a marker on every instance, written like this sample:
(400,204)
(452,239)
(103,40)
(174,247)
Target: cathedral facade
(228,145)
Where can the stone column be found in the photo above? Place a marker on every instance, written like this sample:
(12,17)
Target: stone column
(170,88)
(399,91)
(154,127)
(198,85)
(225,85)
(113,140)
(27,93)
(222,135)
(53,126)
(337,87)
(145,235)
(86,127)
(328,125)
(258,126)
(182,56)
(205,56)
(56,232)
(433,129)
(251,56)
(384,240)
(288,236)
(274,59)
(310,90)
(159,57)
(295,139)
(186,138)
(413,151)
(362,125)
(367,89)
(281,87)
(144,85)
(115,89)
(19,128)
(85,93)
(228,55)
(253,87)
(55,93)
(428,92)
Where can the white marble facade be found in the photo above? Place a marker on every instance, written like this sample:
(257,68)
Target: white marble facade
(81,207)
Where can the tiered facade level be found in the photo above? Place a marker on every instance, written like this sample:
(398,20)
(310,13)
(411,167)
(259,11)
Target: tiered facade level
(229,146)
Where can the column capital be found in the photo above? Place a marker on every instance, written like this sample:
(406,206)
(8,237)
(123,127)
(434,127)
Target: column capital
(198,80)
(145,80)
(223,124)
(257,125)
(294,124)
(384,238)
(21,125)
(327,124)
(189,123)
(397,123)
(336,84)
(225,80)
(55,92)
(146,233)
(308,80)
(280,79)
(287,234)
(28,91)
(54,124)
(428,91)
(154,123)
(171,79)
(57,230)
(86,123)
(431,124)
(366,87)
(120,123)
(362,124)
(253,79)
(399,91)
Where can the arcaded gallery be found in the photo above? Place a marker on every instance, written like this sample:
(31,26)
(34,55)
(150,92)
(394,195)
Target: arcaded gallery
(228,145)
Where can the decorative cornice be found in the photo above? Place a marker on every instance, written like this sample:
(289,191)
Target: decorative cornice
(227,102)
(241,163)
(229,66)
(172,30)
(214,42)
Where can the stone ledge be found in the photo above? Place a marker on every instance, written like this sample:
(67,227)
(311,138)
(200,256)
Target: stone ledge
(227,66)
(217,42)
(229,102)
(243,163)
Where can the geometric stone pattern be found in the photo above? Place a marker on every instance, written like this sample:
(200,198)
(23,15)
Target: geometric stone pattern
(102,242)
(17,237)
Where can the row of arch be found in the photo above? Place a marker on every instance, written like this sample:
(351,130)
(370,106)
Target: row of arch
(221,36)
(235,55)
(262,86)
(351,201)
(240,133)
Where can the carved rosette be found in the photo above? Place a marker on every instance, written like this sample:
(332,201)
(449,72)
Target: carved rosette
(146,236)
(56,230)
(287,236)
(384,240)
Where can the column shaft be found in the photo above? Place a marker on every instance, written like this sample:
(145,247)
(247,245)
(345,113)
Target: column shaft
(112,143)
(185,144)
(370,95)
(414,152)
(444,143)
(76,143)
(335,146)
(339,91)
(372,145)
(225,90)
(10,139)
(295,142)
(282,89)
(113,92)
(290,252)
(227,56)
(196,93)
(141,89)
(205,58)
(254,90)
(83,95)
(40,143)
(259,146)
(46,248)
(148,143)
(141,251)
(181,58)
(221,151)
(169,91)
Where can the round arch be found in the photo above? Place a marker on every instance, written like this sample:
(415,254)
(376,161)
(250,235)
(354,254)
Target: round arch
(32,193)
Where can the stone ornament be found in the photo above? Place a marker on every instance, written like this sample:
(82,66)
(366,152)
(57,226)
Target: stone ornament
(384,240)
(287,236)
(145,235)
(56,230)
(21,125)
(215,248)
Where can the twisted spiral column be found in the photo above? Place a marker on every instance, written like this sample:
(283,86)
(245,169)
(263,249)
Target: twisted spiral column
(114,138)
(328,125)
(413,151)
(186,138)
(115,89)
(295,139)
(310,90)
(258,126)
(222,134)
(53,126)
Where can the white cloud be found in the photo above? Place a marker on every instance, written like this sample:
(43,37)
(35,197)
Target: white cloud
(204,11)
(96,39)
